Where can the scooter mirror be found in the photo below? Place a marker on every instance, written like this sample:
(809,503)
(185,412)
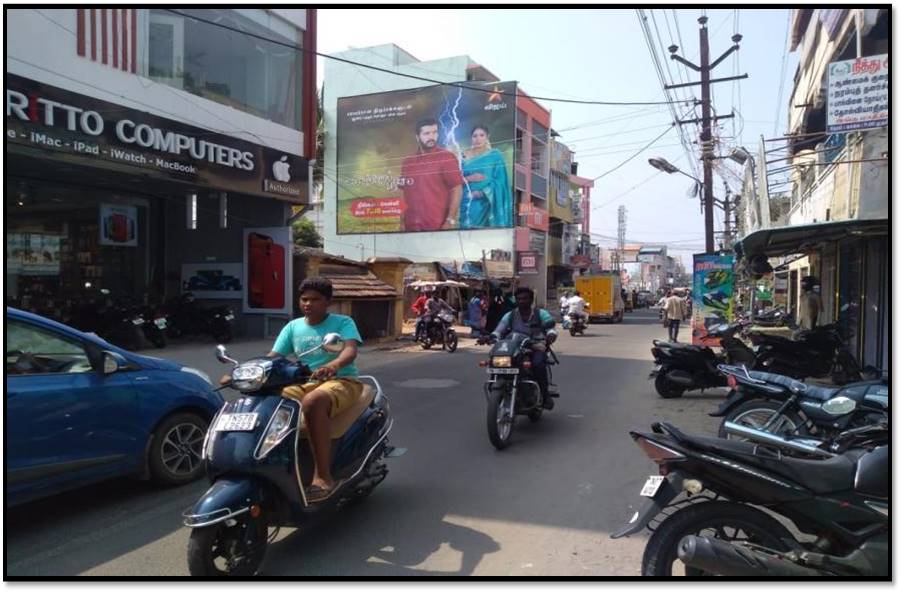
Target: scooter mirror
(333,342)
(223,356)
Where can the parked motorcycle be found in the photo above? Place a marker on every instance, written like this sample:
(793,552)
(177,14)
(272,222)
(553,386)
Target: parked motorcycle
(155,324)
(681,367)
(840,504)
(819,352)
(511,389)
(112,319)
(260,464)
(186,317)
(439,331)
(766,403)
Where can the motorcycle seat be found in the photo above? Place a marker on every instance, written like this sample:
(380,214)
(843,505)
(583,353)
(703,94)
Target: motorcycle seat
(679,345)
(819,476)
(806,391)
(340,424)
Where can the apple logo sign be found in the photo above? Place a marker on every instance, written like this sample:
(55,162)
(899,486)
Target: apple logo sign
(280,169)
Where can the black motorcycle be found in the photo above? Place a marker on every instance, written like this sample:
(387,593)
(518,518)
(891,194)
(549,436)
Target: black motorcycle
(260,464)
(681,366)
(112,319)
(439,330)
(762,404)
(703,509)
(578,323)
(187,318)
(819,352)
(511,389)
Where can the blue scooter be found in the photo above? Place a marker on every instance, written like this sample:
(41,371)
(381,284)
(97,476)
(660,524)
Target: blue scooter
(260,464)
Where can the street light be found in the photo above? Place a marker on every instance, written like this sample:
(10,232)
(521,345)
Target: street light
(667,167)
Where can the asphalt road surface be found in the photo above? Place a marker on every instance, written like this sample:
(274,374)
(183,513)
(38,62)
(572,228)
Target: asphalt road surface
(452,506)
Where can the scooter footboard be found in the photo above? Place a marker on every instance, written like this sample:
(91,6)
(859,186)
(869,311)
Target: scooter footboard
(226,498)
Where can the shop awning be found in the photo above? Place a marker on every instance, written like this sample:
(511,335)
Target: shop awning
(801,238)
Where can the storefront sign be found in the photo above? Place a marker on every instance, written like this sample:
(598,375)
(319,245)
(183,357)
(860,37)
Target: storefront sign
(537,241)
(858,94)
(118,225)
(580,261)
(536,218)
(498,269)
(712,295)
(79,129)
(527,263)
(267,270)
(213,280)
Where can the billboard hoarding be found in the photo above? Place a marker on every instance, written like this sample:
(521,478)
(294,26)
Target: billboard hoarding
(712,295)
(427,159)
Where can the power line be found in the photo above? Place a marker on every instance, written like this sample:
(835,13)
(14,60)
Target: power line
(782,71)
(413,76)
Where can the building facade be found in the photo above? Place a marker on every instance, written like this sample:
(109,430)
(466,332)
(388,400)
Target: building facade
(143,143)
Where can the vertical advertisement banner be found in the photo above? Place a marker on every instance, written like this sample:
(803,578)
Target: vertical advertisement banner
(118,225)
(712,295)
(427,159)
(267,270)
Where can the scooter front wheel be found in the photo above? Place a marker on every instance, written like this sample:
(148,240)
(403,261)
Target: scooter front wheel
(222,551)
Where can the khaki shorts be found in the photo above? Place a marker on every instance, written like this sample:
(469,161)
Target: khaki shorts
(343,392)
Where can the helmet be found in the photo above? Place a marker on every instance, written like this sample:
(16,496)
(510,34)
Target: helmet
(809,282)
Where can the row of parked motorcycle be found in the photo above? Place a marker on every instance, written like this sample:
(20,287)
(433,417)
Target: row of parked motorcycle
(796,484)
(124,321)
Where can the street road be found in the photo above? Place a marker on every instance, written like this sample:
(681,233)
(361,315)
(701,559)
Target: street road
(451,506)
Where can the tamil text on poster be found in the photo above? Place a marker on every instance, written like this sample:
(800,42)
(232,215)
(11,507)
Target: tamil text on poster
(712,295)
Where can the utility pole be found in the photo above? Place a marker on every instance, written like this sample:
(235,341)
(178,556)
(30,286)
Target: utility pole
(621,235)
(706,119)
(727,229)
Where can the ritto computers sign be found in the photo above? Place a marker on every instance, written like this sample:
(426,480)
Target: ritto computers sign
(428,159)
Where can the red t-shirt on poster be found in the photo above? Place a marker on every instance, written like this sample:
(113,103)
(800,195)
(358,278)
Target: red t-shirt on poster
(427,192)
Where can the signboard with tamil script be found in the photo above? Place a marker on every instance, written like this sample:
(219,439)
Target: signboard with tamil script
(858,94)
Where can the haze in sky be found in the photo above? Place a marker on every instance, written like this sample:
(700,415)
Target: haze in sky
(605,55)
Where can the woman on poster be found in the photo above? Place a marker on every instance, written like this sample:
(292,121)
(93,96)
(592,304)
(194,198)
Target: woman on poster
(487,200)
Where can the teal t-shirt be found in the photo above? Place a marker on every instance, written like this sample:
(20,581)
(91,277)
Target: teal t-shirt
(298,336)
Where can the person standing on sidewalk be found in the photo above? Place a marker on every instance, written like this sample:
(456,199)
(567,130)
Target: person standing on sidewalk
(674,313)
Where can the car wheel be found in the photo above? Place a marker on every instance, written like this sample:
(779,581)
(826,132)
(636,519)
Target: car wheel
(175,453)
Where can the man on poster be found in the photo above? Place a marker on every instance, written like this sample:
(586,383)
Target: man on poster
(433,183)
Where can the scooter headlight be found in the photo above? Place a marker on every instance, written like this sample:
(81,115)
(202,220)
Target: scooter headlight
(279,427)
(248,378)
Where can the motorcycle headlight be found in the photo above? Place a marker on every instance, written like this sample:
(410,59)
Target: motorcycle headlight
(198,373)
(280,426)
(839,405)
(501,361)
(248,378)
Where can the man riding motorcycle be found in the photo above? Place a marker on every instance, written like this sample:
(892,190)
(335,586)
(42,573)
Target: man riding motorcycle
(577,305)
(433,307)
(536,323)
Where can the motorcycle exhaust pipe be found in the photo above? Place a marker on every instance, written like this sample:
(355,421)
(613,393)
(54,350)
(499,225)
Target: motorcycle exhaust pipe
(726,559)
(804,447)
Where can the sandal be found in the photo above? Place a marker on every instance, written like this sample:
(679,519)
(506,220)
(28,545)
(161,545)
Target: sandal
(315,493)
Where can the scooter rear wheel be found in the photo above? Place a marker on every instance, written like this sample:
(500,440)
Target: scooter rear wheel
(666,388)
(221,551)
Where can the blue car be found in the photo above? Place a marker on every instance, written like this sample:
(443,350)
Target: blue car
(80,410)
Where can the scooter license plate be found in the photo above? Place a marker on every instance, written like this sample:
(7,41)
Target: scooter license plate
(229,317)
(652,485)
(160,323)
(237,422)
(502,370)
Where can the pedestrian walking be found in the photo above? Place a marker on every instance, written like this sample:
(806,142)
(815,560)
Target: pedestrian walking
(675,311)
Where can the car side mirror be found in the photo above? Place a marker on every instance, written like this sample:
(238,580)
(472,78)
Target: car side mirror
(333,343)
(112,362)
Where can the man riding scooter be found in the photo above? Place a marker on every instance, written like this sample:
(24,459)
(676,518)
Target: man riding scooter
(536,323)
(577,306)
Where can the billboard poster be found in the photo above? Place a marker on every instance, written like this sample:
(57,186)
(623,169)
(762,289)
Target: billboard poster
(858,94)
(712,295)
(267,270)
(118,225)
(213,280)
(527,263)
(427,159)
(32,254)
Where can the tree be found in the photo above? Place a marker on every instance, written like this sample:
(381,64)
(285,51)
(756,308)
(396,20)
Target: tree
(305,234)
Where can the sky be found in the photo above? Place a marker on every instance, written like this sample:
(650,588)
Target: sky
(602,55)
